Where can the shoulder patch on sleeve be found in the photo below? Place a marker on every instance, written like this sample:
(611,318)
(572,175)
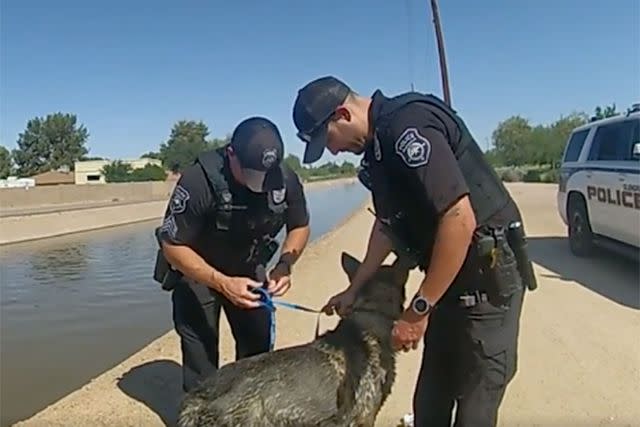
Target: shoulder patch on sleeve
(179,200)
(413,148)
(169,226)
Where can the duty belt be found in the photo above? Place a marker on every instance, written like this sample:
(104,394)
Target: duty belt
(470,299)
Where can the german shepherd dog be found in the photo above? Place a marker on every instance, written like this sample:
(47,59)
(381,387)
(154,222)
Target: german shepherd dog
(340,379)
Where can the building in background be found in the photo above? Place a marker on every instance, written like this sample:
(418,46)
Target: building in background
(61,176)
(90,171)
(15,182)
(55,177)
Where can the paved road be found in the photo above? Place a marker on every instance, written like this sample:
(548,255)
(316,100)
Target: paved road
(579,349)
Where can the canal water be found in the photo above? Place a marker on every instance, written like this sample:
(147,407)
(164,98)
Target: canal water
(74,306)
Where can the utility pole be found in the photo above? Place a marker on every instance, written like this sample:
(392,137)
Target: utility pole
(443,59)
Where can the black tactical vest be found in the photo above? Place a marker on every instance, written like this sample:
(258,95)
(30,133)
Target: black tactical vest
(488,194)
(241,222)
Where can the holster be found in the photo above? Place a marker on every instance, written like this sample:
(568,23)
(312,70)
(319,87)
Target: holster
(164,274)
(518,242)
(161,267)
(162,271)
(498,263)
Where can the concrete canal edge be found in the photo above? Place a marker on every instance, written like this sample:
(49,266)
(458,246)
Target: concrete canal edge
(38,225)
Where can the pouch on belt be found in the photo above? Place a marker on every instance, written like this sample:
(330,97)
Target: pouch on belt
(500,265)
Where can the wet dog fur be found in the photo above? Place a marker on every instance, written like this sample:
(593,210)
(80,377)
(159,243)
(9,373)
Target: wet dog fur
(340,379)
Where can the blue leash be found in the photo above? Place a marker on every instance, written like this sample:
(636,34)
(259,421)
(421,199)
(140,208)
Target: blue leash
(267,301)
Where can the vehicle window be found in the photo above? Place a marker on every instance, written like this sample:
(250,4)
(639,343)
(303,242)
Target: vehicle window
(613,142)
(575,145)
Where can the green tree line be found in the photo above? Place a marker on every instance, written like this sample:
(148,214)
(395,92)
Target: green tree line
(58,140)
(523,151)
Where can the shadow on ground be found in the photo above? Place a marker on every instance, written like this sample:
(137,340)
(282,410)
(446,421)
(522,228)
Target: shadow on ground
(157,384)
(610,275)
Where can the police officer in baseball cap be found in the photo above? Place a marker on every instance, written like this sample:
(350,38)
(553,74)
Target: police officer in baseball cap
(218,235)
(439,203)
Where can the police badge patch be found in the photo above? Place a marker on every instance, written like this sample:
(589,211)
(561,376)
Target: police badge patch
(179,200)
(269,157)
(413,148)
(278,195)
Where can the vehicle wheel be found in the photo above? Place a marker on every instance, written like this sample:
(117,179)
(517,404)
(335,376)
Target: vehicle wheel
(579,230)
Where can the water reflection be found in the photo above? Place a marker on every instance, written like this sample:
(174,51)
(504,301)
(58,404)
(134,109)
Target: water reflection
(73,306)
(65,264)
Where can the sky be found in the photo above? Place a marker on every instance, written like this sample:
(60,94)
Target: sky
(130,69)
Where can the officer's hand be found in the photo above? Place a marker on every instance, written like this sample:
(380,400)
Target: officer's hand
(238,291)
(279,287)
(408,331)
(340,303)
(279,280)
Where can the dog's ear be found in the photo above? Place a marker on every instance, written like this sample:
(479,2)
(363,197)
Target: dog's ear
(349,264)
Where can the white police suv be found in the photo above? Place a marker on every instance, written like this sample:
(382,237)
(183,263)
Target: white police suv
(599,186)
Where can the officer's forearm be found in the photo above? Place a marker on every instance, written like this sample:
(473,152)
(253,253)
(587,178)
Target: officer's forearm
(378,248)
(294,243)
(192,266)
(452,241)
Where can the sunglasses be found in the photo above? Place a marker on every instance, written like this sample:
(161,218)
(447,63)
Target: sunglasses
(306,136)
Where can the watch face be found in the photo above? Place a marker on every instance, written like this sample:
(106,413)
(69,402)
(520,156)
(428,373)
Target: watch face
(420,305)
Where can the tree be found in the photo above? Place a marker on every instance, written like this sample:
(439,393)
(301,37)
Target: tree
(608,111)
(557,136)
(187,140)
(511,140)
(492,156)
(517,143)
(148,173)
(293,162)
(117,171)
(50,143)
(218,142)
(347,168)
(151,155)
(5,162)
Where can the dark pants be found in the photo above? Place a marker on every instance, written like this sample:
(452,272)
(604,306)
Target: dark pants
(470,356)
(196,315)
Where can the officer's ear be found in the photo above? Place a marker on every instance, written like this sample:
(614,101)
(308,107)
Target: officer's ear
(342,112)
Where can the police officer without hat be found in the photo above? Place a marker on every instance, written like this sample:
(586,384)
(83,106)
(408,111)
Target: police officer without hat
(219,227)
(440,204)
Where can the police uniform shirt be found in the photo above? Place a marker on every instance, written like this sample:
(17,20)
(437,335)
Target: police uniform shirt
(190,216)
(413,168)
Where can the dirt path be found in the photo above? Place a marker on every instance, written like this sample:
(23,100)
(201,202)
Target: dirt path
(579,348)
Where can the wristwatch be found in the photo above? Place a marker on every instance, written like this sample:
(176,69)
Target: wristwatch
(420,305)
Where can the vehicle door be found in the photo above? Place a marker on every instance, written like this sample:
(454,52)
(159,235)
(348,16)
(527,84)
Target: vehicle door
(629,208)
(612,172)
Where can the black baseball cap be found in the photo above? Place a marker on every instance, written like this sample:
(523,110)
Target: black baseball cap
(258,146)
(313,107)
